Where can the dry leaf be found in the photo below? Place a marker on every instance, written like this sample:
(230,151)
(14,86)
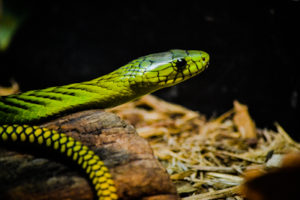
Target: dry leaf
(243,121)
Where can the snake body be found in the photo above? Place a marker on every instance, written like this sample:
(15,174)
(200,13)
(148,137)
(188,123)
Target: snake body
(21,113)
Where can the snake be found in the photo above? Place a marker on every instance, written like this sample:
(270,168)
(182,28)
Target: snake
(22,114)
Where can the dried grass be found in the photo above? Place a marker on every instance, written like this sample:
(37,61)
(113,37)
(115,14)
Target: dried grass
(206,159)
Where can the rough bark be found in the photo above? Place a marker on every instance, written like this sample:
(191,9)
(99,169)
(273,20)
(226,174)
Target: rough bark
(38,174)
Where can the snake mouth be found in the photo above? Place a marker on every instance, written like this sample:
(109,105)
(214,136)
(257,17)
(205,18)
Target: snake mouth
(178,76)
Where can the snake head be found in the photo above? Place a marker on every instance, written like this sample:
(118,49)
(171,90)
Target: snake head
(165,69)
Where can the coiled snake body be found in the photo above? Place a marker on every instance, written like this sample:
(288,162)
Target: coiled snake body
(21,113)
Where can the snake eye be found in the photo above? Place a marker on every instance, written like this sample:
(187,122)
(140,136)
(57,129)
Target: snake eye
(181,63)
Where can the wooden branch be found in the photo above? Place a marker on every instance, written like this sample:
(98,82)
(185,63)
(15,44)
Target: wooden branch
(136,172)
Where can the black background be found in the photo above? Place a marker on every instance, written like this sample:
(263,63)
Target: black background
(254,50)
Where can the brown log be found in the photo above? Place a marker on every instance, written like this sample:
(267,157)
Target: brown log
(35,175)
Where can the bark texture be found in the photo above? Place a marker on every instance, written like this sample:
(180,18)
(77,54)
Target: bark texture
(31,173)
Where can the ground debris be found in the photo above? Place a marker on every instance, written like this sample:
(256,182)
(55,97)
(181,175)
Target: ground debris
(206,159)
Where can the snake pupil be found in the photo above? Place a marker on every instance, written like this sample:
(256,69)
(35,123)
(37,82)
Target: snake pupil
(181,63)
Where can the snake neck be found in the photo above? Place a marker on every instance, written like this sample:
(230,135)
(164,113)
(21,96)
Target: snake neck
(40,105)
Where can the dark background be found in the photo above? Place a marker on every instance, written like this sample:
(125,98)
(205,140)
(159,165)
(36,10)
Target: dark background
(254,50)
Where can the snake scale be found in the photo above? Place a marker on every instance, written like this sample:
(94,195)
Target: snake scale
(21,114)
